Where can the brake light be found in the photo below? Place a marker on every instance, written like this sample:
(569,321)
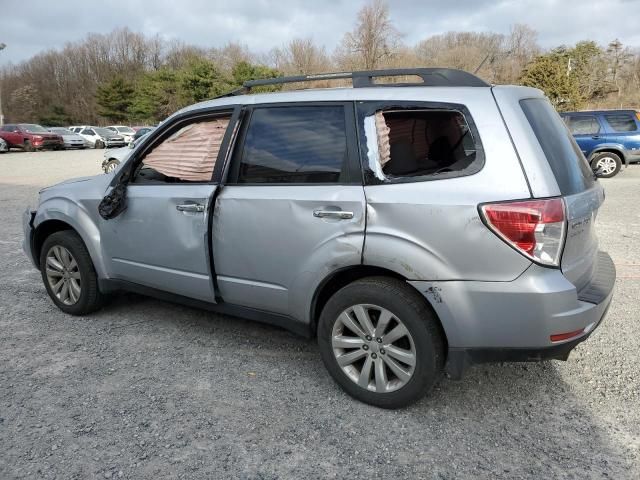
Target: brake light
(559,337)
(535,228)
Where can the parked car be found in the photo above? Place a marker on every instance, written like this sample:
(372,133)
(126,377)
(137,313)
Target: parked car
(114,157)
(3,146)
(98,137)
(70,139)
(29,137)
(126,132)
(410,229)
(141,131)
(608,138)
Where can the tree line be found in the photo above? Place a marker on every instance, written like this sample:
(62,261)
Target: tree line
(127,77)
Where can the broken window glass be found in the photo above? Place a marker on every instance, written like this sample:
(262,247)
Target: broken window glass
(409,143)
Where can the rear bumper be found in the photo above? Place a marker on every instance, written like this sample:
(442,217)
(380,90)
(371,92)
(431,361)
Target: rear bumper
(514,321)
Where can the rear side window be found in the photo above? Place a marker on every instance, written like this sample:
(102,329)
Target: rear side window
(621,122)
(415,144)
(305,144)
(583,125)
(567,162)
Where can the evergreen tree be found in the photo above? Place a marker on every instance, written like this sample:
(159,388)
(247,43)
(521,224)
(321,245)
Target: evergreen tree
(114,99)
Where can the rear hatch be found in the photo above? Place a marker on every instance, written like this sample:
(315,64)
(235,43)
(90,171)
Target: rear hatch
(582,193)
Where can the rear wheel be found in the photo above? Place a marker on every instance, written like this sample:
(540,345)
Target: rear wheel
(380,342)
(606,164)
(68,273)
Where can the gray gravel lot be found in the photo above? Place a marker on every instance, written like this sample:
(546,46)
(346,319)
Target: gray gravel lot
(147,389)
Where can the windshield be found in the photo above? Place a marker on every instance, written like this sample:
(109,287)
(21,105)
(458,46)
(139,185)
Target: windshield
(104,132)
(32,128)
(125,130)
(62,131)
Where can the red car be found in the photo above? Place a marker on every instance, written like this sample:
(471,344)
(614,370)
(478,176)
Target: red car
(29,137)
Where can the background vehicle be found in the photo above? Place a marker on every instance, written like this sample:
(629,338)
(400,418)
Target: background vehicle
(29,137)
(122,130)
(70,139)
(3,146)
(141,131)
(411,229)
(114,157)
(98,137)
(608,138)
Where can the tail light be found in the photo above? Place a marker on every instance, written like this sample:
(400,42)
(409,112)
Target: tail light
(535,228)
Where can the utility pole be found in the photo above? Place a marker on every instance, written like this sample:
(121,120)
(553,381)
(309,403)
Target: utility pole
(2,47)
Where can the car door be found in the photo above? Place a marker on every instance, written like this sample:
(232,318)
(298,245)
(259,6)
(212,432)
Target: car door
(161,240)
(89,134)
(588,132)
(12,135)
(622,128)
(292,209)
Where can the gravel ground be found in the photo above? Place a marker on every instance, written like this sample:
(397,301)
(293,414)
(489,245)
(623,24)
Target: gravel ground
(147,389)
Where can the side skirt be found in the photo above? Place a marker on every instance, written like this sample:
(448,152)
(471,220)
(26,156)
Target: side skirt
(283,321)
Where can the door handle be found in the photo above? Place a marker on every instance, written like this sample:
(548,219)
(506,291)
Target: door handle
(595,137)
(339,214)
(190,207)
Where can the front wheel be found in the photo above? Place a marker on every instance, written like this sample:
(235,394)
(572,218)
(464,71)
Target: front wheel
(606,164)
(381,342)
(99,144)
(68,273)
(111,165)
(28,147)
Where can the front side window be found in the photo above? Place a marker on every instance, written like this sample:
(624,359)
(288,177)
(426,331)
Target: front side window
(187,155)
(583,125)
(410,143)
(87,131)
(621,122)
(305,144)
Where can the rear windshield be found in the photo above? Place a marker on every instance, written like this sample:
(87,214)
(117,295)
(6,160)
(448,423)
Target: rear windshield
(565,158)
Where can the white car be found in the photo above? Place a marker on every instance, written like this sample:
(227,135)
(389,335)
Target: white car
(123,131)
(99,137)
(3,146)
(113,158)
(70,138)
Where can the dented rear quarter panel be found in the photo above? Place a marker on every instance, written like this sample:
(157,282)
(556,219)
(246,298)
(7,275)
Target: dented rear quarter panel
(432,230)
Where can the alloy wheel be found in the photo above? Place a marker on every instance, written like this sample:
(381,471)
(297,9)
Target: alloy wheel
(606,165)
(373,348)
(63,275)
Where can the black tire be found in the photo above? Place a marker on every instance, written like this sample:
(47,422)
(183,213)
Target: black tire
(27,146)
(99,144)
(598,158)
(90,298)
(405,304)
(111,165)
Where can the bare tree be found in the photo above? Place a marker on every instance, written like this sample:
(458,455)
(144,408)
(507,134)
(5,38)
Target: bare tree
(300,56)
(373,41)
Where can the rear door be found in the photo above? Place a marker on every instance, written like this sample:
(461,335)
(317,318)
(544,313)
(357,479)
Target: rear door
(576,182)
(12,135)
(622,127)
(293,207)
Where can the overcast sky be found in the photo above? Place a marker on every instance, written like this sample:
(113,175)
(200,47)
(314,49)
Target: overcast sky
(39,25)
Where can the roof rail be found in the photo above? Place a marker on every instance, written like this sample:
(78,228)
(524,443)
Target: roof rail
(431,77)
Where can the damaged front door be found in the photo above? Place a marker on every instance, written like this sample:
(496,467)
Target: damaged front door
(161,239)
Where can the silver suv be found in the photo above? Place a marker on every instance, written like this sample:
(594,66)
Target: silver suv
(413,228)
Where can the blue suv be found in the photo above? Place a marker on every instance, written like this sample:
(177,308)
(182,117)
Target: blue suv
(606,137)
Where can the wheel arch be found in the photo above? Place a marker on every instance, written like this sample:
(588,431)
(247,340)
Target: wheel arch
(67,216)
(344,276)
(609,148)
